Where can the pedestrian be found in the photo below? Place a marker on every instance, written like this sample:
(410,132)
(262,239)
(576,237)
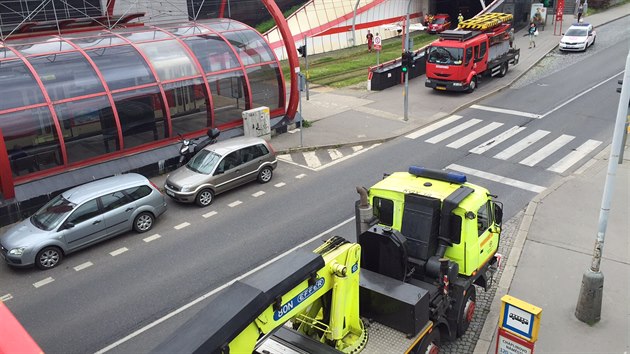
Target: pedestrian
(460,18)
(532,32)
(580,12)
(370,41)
(511,34)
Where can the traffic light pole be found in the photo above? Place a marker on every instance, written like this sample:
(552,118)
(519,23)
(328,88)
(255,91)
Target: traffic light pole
(406,92)
(308,75)
(589,306)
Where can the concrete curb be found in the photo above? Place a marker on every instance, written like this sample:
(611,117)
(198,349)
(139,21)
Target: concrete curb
(485,340)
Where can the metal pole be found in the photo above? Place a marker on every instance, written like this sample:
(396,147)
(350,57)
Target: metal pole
(378,52)
(406,46)
(589,306)
(306,64)
(354,19)
(300,85)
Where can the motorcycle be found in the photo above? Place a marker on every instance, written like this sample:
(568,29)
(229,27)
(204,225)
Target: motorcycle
(189,147)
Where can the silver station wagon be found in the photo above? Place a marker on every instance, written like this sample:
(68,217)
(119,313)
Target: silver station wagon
(220,167)
(83,216)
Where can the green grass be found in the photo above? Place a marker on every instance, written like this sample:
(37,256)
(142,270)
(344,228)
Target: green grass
(346,67)
(268,24)
(592,11)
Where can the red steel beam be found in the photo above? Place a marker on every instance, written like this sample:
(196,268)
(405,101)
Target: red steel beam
(6,178)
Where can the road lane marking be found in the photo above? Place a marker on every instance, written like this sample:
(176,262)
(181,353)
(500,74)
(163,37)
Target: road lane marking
(334,154)
(286,157)
(496,178)
(181,226)
(582,94)
(357,148)
(311,159)
(487,145)
(279,185)
(574,156)
(43,282)
(521,144)
(474,135)
(209,214)
(119,251)
(258,194)
(207,295)
(151,238)
(235,203)
(82,266)
(6,297)
(300,176)
(432,127)
(453,131)
(357,152)
(547,150)
(507,111)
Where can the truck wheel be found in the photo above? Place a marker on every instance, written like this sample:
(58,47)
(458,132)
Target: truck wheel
(466,311)
(473,85)
(503,70)
(430,344)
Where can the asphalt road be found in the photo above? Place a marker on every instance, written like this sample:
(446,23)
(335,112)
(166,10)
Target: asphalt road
(86,310)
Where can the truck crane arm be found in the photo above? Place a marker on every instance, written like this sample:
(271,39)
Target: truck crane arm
(318,291)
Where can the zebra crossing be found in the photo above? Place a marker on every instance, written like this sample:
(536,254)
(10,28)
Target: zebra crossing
(318,160)
(480,129)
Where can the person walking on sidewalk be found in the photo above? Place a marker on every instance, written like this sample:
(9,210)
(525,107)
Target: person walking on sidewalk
(511,34)
(370,41)
(532,32)
(580,12)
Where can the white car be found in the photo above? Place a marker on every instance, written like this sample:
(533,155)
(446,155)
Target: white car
(578,37)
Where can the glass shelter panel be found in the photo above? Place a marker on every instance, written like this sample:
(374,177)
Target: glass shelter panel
(188,104)
(100,41)
(5,53)
(88,128)
(66,75)
(169,59)
(18,87)
(265,82)
(188,31)
(212,52)
(31,140)
(141,114)
(145,36)
(221,25)
(250,46)
(228,96)
(52,45)
(121,66)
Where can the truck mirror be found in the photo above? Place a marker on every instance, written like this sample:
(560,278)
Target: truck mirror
(498,213)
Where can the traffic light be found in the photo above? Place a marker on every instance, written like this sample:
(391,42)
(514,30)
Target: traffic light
(407,61)
(620,82)
(302,50)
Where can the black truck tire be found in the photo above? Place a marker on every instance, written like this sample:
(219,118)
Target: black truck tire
(473,85)
(504,69)
(466,310)
(430,344)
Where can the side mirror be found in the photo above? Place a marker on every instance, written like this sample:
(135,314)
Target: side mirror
(498,213)
(67,225)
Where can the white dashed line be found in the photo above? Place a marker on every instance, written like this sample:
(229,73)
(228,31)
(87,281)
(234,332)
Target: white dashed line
(432,127)
(233,204)
(487,145)
(507,111)
(281,184)
(119,251)
(181,226)
(457,129)
(311,159)
(258,194)
(357,148)
(334,154)
(43,282)
(300,176)
(6,297)
(151,238)
(83,266)
(574,156)
(207,215)
(286,157)
(547,150)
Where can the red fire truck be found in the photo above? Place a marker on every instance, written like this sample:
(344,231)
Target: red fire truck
(478,47)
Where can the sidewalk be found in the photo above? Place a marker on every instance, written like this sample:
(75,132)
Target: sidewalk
(555,240)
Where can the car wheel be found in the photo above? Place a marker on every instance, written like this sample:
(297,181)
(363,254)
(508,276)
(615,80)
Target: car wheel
(503,70)
(473,85)
(48,258)
(205,197)
(143,222)
(265,174)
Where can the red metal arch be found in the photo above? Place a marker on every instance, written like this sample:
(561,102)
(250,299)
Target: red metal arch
(289,45)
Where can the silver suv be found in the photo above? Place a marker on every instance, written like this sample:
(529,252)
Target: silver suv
(220,167)
(83,216)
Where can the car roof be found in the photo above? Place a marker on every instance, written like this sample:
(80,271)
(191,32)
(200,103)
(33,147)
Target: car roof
(581,25)
(91,190)
(224,147)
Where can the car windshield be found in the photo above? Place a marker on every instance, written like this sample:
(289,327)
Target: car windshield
(204,162)
(445,55)
(576,32)
(53,213)
(439,21)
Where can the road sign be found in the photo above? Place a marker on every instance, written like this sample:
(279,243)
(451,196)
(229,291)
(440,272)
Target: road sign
(510,344)
(520,318)
(377,43)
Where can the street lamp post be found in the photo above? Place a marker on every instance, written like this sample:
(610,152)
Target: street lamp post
(406,46)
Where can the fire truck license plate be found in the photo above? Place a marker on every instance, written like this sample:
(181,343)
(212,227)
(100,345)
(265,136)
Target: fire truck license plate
(440,88)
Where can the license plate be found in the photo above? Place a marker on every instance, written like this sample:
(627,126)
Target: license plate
(443,88)
(170,193)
